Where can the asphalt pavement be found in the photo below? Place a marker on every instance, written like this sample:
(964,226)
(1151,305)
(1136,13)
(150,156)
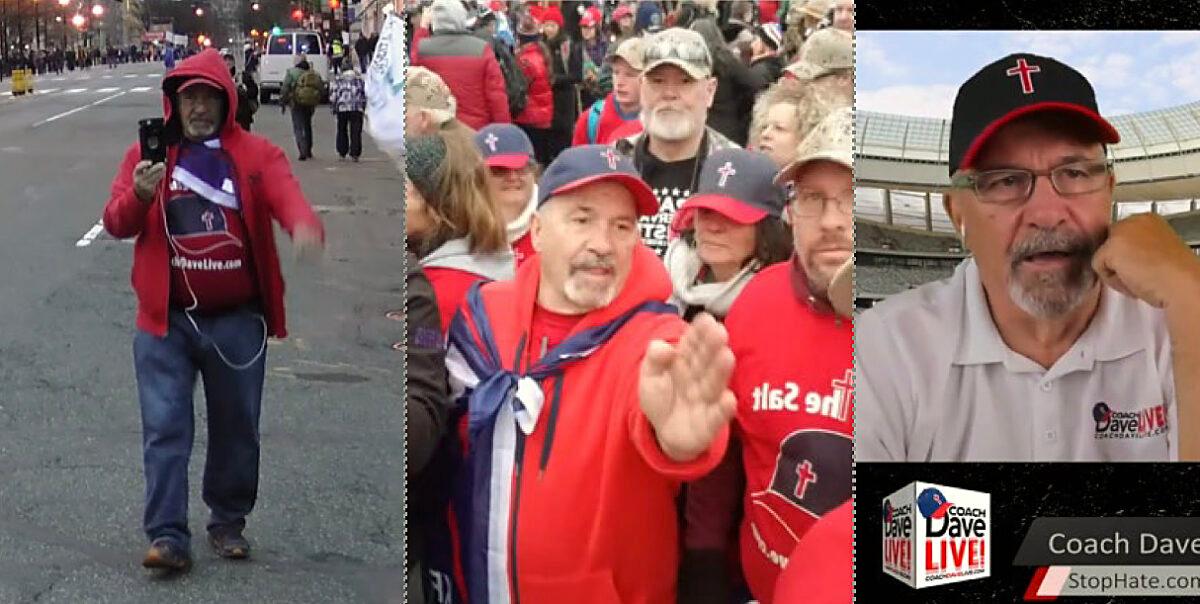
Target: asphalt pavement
(329,522)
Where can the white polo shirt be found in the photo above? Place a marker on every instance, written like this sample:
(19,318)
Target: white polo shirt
(935,382)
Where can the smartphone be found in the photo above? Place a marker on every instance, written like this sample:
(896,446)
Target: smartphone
(150,135)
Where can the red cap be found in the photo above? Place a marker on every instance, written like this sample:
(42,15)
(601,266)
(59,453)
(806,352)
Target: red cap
(728,207)
(497,6)
(622,11)
(512,161)
(552,14)
(587,19)
(195,81)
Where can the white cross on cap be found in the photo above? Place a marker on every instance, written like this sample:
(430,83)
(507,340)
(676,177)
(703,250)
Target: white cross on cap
(491,141)
(611,156)
(725,171)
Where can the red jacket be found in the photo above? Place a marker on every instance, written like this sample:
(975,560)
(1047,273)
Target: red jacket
(450,287)
(539,110)
(266,187)
(607,125)
(795,417)
(592,508)
(468,66)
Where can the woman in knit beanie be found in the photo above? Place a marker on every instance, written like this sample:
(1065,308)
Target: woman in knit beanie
(450,222)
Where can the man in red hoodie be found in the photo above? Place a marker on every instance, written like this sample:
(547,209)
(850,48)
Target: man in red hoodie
(589,401)
(210,292)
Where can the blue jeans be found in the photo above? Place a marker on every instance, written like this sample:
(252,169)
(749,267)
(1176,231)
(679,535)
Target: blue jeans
(166,376)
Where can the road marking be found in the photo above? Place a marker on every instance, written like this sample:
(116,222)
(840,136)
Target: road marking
(108,77)
(141,89)
(106,90)
(91,235)
(84,78)
(130,75)
(76,110)
(60,79)
(48,90)
(75,91)
(6,93)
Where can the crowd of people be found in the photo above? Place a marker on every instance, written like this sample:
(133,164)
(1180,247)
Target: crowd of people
(56,60)
(629,228)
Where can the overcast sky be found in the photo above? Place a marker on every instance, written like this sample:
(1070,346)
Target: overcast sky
(918,73)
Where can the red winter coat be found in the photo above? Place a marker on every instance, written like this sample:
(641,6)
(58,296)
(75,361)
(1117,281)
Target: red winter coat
(266,187)
(539,110)
(595,519)
(468,66)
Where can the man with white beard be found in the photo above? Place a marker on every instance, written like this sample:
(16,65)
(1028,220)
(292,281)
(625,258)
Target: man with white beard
(677,89)
(1064,337)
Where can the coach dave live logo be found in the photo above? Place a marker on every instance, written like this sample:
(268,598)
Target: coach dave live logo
(1141,423)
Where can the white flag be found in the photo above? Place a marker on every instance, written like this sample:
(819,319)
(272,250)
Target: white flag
(385,87)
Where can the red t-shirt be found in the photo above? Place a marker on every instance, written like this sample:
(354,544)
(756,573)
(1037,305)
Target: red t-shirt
(209,254)
(795,417)
(548,330)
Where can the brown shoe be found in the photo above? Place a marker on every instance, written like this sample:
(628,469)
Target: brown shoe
(228,542)
(166,554)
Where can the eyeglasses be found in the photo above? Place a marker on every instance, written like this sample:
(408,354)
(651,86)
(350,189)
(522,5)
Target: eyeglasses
(810,204)
(1013,186)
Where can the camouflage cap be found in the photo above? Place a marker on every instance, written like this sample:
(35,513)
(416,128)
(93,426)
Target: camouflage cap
(425,90)
(824,52)
(817,9)
(832,140)
(631,51)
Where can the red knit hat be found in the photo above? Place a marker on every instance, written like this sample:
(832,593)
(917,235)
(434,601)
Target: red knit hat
(552,14)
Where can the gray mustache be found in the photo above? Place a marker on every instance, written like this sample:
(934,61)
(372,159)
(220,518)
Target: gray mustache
(1053,240)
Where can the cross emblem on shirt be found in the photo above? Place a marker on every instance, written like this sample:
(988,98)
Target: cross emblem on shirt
(207,218)
(491,141)
(725,171)
(611,156)
(1024,69)
(804,476)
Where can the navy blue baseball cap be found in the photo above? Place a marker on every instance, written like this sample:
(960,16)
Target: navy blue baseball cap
(587,164)
(932,503)
(739,184)
(504,146)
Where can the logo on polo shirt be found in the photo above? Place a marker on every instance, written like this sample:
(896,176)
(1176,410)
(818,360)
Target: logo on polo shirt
(1142,423)
(949,542)
(787,397)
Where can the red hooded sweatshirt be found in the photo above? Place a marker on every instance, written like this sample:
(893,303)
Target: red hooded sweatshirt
(267,189)
(591,515)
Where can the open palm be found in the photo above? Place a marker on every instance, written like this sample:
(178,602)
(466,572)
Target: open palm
(684,389)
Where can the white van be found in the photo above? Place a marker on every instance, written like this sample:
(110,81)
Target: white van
(279,56)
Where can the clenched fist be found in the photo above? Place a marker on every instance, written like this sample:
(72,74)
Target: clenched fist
(1145,259)
(146,176)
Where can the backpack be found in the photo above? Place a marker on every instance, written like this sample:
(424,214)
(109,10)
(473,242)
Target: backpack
(309,88)
(593,121)
(514,79)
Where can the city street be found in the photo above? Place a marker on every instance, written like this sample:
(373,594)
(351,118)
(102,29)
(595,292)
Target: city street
(329,522)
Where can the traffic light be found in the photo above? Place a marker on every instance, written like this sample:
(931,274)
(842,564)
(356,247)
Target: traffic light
(298,15)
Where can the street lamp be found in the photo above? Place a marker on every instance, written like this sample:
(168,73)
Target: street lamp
(256,7)
(97,10)
(78,20)
(199,11)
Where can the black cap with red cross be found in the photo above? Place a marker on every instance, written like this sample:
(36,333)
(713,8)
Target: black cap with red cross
(1018,85)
